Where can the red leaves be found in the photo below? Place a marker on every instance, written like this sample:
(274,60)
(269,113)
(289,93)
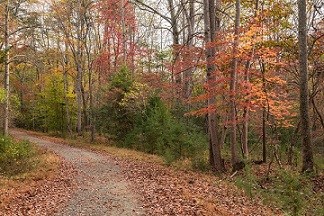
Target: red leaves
(119,24)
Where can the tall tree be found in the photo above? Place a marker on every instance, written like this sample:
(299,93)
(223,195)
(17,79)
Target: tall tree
(233,84)
(308,163)
(7,71)
(72,21)
(211,26)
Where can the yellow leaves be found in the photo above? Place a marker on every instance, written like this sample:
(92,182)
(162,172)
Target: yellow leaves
(2,95)
(136,97)
(70,95)
(253,31)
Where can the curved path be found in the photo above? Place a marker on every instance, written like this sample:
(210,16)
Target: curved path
(101,187)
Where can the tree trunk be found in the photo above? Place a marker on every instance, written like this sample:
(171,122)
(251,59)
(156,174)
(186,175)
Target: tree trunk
(91,99)
(79,99)
(234,158)
(264,136)
(245,133)
(188,40)
(246,110)
(122,7)
(210,30)
(92,119)
(66,86)
(264,113)
(7,74)
(308,164)
(176,41)
(78,62)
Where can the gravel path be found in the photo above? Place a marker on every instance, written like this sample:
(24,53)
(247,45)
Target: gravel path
(101,187)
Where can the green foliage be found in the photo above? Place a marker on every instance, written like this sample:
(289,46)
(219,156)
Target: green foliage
(51,103)
(2,56)
(2,95)
(248,182)
(288,190)
(15,157)
(114,118)
(47,111)
(121,80)
(14,103)
(157,131)
(138,119)
(292,192)
(200,162)
(136,98)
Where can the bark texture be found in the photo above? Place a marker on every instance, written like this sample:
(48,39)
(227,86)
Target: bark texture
(7,73)
(210,32)
(308,164)
(234,158)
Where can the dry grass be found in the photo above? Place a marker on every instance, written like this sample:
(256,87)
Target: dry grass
(105,146)
(102,147)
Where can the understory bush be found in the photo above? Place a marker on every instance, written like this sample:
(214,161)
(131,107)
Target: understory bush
(16,157)
(291,192)
(113,118)
(157,131)
(136,117)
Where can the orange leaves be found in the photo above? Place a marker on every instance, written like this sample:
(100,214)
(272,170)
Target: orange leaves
(276,80)
(260,82)
(203,111)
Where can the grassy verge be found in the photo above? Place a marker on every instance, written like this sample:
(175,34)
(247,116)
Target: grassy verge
(104,145)
(293,193)
(22,166)
(16,157)
(281,188)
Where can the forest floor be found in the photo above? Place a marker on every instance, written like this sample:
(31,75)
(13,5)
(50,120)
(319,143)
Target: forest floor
(112,183)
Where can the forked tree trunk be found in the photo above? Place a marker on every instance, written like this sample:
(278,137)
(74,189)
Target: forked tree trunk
(176,42)
(308,163)
(246,113)
(189,41)
(80,69)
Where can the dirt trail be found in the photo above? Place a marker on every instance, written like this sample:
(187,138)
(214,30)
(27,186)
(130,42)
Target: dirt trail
(101,190)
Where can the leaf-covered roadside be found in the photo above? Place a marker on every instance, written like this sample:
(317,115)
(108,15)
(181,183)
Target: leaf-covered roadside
(39,192)
(168,191)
